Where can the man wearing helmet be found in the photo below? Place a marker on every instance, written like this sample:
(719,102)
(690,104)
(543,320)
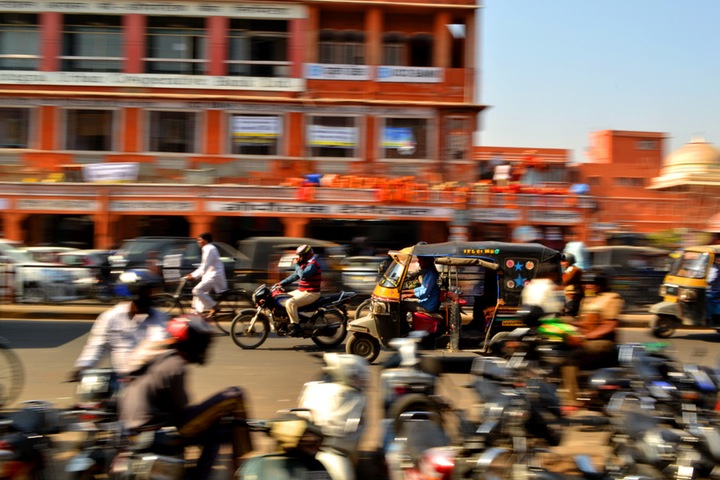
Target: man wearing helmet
(119,330)
(597,326)
(308,274)
(156,395)
(211,273)
(572,283)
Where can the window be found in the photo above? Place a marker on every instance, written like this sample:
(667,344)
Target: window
(172,131)
(88,129)
(405,138)
(92,43)
(330,136)
(342,47)
(176,45)
(394,49)
(258,48)
(256,134)
(458,139)
(14,127)
(19,41)
(629,181)
(421,50)
(646,145)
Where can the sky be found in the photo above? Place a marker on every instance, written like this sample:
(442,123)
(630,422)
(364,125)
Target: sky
(554,71)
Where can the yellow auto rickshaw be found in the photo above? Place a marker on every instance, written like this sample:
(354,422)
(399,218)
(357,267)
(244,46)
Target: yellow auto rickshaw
(684,292)
(480,292)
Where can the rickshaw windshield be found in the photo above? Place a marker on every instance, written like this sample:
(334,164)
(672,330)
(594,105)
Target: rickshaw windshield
(392,276)
(691,265)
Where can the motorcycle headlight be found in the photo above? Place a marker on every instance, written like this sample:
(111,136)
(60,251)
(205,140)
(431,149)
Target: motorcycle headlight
(688,295)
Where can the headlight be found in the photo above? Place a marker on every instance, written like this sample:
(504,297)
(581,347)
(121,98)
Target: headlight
(688,295)
(663,290)
(379,308)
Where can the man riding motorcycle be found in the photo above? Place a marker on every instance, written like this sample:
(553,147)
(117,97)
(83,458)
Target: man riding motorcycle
(308,273)
(156,396)
(119,330)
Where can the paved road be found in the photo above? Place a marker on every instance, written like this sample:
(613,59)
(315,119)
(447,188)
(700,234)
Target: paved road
(273,374)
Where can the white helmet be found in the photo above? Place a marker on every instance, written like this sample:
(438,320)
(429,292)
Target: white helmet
(350,370)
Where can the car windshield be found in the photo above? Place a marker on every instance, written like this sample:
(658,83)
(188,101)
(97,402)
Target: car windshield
(691,265)
(15,254)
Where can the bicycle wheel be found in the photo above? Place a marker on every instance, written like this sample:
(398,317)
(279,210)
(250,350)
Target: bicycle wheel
(229,306)
(12,376)
(246,337)
(167,303)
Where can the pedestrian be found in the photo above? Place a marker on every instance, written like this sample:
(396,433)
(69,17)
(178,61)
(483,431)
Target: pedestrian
(211,273)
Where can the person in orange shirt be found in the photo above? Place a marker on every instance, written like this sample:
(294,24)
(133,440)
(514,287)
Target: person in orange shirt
(572,284)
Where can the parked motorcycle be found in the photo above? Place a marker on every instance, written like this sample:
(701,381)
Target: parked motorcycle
(324,321)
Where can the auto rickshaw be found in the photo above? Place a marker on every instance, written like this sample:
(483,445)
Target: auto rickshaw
(684,292)
(481,285)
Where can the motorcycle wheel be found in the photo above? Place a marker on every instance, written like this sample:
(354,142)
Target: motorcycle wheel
(663,326)
(245,337)
(333,338)
(413,402)
(363,309)
(363,345)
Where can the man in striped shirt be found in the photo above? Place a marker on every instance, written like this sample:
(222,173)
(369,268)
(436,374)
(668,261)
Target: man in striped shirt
(308,274)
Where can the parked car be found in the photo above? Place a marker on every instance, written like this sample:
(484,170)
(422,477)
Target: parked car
(634,272)
(91,271)
(28,281)
(184,252)
(48,254)
(360,274)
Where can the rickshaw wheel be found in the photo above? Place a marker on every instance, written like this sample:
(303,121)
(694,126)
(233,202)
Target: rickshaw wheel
(663,326)
(364,346)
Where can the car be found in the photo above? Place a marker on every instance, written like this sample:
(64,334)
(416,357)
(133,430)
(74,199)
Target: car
(174,257)
(26,280)
(360,273)
(269,259)
(91,271)
(48,254)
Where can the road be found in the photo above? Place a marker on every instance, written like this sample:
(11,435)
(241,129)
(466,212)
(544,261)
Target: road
(271,375)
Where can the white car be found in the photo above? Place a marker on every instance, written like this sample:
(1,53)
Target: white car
(28,281)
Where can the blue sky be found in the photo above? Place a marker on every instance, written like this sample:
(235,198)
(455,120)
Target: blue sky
(554,71)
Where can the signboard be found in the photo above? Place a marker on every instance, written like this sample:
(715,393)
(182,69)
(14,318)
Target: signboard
(111,172)
(151,205)
(321,136)
(410,74)
(485,215)
(141,80)
(58,205)
(256,130)
(314,209)
(324,71)
(556,217)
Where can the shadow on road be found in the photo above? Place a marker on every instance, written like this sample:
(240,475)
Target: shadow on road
(37,334)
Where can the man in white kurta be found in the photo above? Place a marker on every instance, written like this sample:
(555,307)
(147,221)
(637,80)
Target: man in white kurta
(211,273)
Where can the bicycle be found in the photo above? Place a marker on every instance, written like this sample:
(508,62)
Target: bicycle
(230,303)
(12,375)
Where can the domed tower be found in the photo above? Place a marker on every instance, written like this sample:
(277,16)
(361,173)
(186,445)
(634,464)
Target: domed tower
(693,167)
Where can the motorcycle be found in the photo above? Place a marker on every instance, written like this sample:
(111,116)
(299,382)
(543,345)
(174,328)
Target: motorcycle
(298,442)
(94,416)
(337,405)
(25,444)
(323,321)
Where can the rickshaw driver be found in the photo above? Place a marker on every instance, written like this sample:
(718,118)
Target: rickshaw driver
(426,297)
(713,293)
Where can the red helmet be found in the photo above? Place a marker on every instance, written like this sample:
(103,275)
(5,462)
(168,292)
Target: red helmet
(192,336)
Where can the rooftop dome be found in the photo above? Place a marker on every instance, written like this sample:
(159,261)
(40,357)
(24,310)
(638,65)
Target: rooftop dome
(698,151)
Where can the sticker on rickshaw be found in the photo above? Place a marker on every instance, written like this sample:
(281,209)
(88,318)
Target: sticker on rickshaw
(481,251)
(512,323)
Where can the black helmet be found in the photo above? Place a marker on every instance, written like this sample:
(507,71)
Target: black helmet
(192,336)
(596,277)
(569,258)
(531,314)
